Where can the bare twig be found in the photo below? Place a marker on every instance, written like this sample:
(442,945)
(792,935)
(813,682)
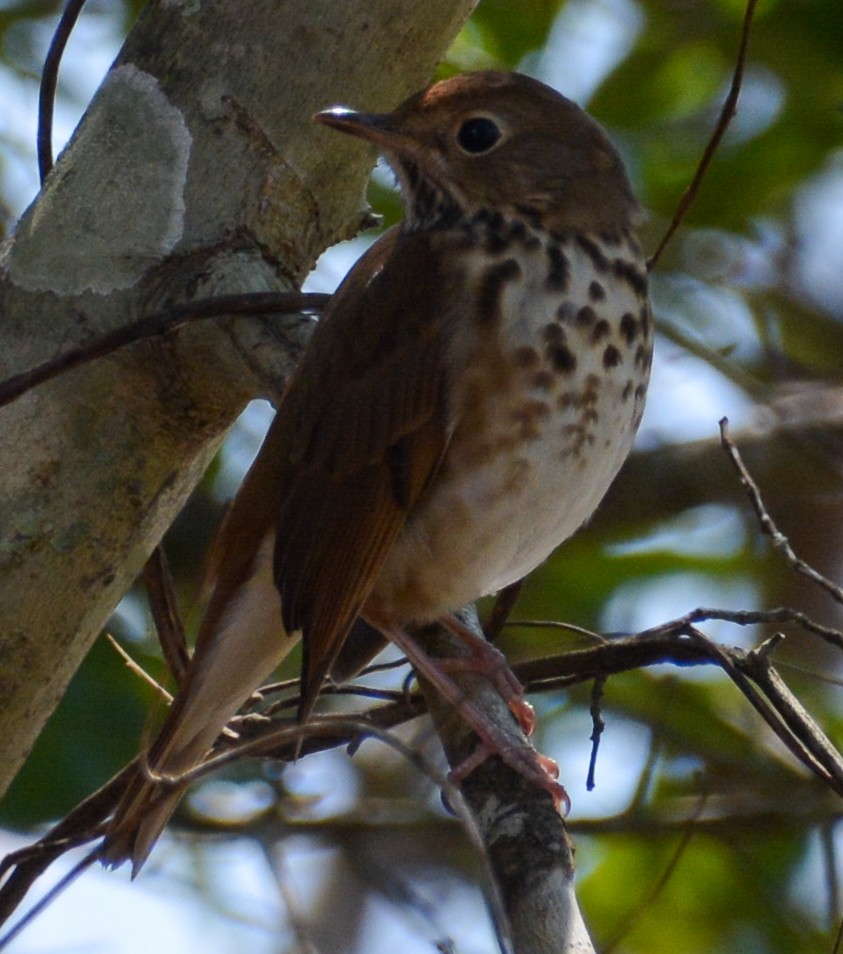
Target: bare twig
(800,724)
(43,903)
(780,541)
(139,671)
(20,869)
(160,323)
(677,642)
(598,725)
(726,114)
(160,591)
(506,600)
(779,614)
(49,80)
(558,624)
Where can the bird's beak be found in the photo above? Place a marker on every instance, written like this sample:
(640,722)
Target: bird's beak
(377,128)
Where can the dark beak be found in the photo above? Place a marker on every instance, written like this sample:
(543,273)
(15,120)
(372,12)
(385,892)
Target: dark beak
(377,128)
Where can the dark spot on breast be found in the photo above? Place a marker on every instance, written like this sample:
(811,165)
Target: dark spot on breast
(611,357)
(600,330)
(629,328)
(558,269)
(562,358)
(594,252)
(631,274)
(531,215)
(517,231)
(641,354)
(554,333)
(543,380)
(626,394)
(495,243)
(489,217)
(491,288)
(586,316)
(640,391)
(525,357)
(596,292)
(494,219)
(528,416)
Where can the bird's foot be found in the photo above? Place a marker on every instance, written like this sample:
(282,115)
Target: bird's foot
(540,769)
(496,738)
(490,662)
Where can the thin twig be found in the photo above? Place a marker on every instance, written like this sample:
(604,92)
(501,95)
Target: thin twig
(598,725)
(726,113)
(49,81)
(160,592)
(780,541)
(43,903)
(160,323)
(778,707)
(779,614)
(20,869)
(288,739)
(558,624)
(800,724)
(139,671)
(504,604)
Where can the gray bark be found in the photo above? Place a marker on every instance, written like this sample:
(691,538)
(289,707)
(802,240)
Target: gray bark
(519,834)
(195,171)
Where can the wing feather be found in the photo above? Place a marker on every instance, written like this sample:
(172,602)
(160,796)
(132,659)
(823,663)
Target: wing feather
(369,422)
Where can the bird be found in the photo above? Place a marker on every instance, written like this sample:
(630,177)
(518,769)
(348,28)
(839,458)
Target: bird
(463,405)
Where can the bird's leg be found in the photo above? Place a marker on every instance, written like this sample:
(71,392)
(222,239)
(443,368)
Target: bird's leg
(494,740)
(490,662)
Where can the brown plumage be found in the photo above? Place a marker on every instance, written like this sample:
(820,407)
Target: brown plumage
(462,407)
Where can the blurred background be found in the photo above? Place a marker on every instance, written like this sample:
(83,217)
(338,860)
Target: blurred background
(702,834)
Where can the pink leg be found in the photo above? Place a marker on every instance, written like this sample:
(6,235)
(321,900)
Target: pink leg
(491,662)
(538,769)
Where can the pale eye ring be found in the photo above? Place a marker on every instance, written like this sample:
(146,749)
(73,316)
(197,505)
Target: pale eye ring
(478,134)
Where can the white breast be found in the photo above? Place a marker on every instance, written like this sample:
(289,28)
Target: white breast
(548,397)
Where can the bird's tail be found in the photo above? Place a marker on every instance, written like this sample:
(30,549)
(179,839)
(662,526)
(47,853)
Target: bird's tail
(238,649)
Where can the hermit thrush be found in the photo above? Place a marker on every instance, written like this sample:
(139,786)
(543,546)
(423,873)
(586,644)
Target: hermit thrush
(463,406)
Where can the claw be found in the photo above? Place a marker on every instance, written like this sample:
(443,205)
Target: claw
(525,715)
(537,768)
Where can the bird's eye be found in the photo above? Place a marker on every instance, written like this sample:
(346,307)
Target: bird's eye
(478,135)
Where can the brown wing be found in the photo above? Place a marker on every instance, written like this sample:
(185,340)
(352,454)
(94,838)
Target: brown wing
(367,422)
(256,508)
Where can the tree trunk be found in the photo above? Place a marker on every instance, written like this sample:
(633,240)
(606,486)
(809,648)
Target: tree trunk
(196,171)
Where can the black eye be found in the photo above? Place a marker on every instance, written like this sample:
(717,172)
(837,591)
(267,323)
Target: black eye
(478,135)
